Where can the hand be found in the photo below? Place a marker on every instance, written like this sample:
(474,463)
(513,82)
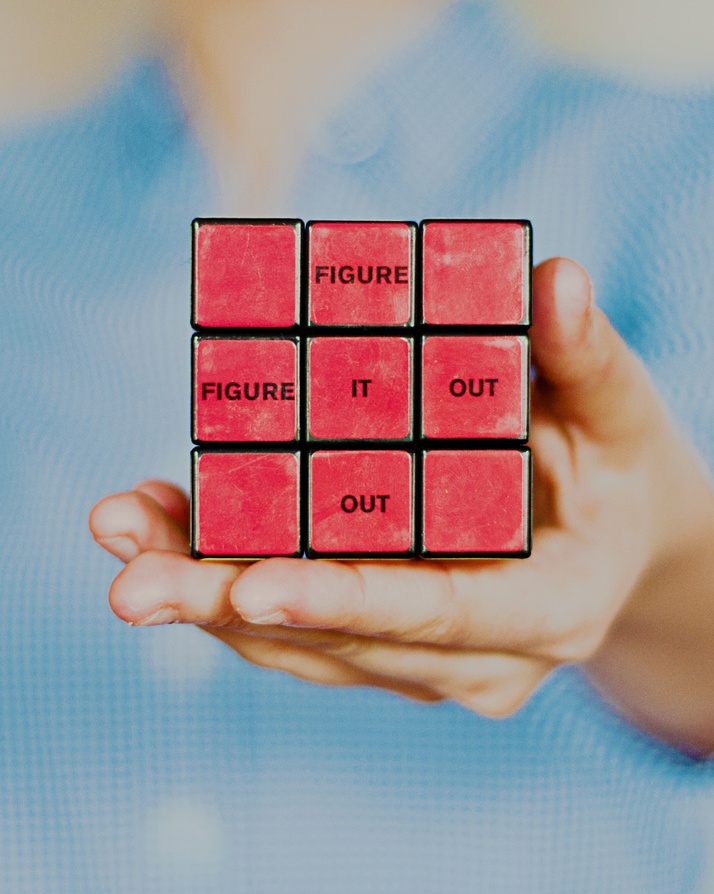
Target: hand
(617,495)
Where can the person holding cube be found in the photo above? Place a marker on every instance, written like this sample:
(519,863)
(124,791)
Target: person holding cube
(539,724)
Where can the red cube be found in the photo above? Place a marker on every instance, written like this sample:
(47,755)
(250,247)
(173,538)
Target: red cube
(347,415)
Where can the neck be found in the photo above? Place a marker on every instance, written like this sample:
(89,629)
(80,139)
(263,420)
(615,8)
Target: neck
(666,44)
(259,76)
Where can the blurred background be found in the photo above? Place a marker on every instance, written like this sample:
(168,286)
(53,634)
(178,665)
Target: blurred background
(53,52)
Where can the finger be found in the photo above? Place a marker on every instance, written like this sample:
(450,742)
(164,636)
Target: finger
(131,523)
(494,684)
(585,372)
(171,498)
(546,605)
(306,663)
(166,588)
(502,697)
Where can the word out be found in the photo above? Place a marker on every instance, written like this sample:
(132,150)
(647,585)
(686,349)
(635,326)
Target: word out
(350,503)
(459,387)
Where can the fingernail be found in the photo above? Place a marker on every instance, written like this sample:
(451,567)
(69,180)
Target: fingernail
(576,297)
(164,615)
(123,547)
(274,617)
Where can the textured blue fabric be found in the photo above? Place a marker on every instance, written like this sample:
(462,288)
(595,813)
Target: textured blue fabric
(153,760)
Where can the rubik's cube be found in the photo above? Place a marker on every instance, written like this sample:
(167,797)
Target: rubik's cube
(361,389)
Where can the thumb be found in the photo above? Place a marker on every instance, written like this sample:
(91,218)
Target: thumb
(585,373)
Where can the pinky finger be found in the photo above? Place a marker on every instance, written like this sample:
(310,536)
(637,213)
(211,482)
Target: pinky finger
(305,663)
(502,697)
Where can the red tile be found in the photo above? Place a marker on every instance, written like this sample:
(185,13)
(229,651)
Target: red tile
(359,387)
(476,502)
(476,273)
(361,502)
(246,504)
(361,273)
(475,386)
(246,274)
(245,389)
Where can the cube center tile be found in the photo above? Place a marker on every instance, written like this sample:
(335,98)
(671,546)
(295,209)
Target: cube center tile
(359,388)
